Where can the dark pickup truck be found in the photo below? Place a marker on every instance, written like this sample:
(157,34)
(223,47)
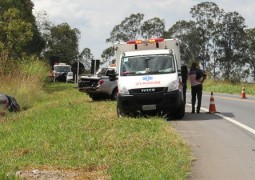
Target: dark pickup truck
(99,86)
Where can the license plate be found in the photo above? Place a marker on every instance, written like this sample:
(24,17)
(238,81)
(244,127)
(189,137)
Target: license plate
(149,107)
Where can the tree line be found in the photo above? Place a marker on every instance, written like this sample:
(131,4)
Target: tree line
(220,41)
(23,34)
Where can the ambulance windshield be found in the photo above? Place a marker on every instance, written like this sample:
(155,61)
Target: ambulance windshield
(62,68)
(149,64)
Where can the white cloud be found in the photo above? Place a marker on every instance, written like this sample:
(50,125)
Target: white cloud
(95,19)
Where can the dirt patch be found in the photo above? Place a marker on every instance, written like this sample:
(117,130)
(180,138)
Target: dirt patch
(43,174)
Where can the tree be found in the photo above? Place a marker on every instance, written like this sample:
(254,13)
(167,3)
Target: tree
(107,54)
(231,44)
(16,33)
(250,40)
(133,28)
(43,23)
(191,42)
(24,18)
(63,43)
(44,27)
(85,58)
(19,32)
(207,15)
(154,27)
(129,28)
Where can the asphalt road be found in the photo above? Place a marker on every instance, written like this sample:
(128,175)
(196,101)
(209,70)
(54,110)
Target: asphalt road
(223,143)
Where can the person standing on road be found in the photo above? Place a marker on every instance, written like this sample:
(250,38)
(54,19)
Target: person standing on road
(184,71)
(196,77)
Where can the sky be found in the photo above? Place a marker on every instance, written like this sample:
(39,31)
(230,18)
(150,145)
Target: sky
(96,18)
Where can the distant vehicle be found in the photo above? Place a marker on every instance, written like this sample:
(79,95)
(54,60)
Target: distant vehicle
(60,71)
(69,77)
(99,86)
(149,77)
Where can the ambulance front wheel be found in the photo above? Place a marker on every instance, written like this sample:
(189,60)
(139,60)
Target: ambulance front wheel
(179,113)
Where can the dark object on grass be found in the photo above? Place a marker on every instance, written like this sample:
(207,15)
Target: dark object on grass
(9,103)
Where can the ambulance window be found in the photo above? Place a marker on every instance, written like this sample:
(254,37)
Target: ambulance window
(147,64)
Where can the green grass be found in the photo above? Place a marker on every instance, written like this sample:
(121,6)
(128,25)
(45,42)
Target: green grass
(66,130)
(228,88)
(24,79)
(60,128)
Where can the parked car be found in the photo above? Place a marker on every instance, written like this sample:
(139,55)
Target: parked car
(99,86)
(69,77)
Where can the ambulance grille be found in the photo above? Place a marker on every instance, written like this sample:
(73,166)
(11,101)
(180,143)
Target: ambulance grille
(148,90)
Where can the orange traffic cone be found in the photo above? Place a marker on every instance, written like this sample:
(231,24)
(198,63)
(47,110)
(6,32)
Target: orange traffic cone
(243,96)
(212,108)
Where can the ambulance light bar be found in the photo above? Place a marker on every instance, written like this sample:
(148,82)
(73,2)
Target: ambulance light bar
(152,40)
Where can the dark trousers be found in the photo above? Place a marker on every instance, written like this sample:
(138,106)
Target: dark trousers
(184,92)
(196,93)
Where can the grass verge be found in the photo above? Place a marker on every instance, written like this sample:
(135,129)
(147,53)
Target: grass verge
(210,85)
(68,131)
(225,87)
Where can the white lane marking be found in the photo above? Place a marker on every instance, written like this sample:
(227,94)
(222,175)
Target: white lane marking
(231,120)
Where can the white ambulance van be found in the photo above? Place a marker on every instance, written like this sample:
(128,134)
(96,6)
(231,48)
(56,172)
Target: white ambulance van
(60,71)
(149,77)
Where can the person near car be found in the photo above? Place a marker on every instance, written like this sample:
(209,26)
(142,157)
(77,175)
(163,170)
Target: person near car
(184,71)
(196,87)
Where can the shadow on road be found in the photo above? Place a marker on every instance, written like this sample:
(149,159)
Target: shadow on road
(203,116)
(199,117)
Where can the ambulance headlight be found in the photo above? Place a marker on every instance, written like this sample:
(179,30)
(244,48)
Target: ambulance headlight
(173,86)
(124,90)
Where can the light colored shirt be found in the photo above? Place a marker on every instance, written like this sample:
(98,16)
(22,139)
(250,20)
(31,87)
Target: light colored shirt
(192,78)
